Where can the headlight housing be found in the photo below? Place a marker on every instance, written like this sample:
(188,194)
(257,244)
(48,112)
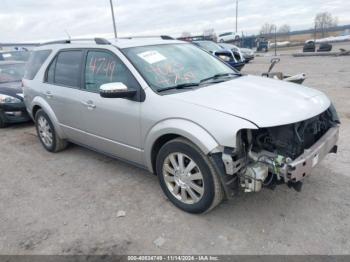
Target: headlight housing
(5,99)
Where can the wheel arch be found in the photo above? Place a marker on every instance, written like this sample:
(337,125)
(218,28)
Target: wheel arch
(170,129)
(39,103)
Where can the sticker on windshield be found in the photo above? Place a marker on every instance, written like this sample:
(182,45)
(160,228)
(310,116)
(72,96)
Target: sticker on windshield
(152,57)
(6,55)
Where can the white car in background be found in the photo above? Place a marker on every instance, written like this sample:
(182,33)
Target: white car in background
(248,54)
(228,37)
(236,51)
(244,54)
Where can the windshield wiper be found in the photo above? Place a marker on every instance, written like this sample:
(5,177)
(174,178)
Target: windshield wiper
(214,77)
(179,86)
(190,85)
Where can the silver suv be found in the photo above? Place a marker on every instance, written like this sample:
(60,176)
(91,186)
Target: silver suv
(207,131)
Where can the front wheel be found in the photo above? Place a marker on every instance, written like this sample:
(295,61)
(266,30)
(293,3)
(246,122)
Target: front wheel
(187,177)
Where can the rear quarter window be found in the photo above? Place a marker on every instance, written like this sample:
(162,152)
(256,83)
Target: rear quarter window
(36,60)
(67,68)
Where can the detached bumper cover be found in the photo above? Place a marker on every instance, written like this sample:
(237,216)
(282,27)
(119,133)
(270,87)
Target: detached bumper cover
(303,165)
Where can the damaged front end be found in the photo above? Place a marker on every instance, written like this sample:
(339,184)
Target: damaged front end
(284,154)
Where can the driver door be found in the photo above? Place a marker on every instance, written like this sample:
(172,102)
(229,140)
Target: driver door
(112,124)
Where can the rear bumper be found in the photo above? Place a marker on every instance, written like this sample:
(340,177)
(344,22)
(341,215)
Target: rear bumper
(304,164)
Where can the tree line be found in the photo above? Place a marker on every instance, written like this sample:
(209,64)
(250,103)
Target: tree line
(322,22)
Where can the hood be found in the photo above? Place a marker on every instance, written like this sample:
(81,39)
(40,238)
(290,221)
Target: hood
(263,101)
(12,89)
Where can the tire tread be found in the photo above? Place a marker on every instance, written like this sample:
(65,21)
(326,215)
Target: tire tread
(60,144)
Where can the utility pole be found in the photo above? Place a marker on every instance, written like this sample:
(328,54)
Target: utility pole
(275,40)
(315,35)
(236,16)
(113,18)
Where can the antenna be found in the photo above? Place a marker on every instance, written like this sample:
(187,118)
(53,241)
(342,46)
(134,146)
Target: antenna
(69,37)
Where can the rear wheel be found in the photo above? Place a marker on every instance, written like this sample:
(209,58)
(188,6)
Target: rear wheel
(47,134)
(187,177)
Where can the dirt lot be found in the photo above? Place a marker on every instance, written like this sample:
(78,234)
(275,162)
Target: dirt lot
(68,203)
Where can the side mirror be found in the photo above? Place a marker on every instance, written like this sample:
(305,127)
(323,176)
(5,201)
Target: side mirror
(116,90)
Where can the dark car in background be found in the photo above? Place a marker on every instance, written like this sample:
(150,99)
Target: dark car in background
(325,47)
(224,54)
(12,108)
(309,46)
(14,56)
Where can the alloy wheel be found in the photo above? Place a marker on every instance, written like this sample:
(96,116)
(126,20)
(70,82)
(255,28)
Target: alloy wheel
(183,178)
(45,131)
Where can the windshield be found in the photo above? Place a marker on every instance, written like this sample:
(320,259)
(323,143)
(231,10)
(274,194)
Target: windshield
(164,66)
(11,72)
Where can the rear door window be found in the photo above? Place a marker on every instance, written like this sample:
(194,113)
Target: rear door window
(36,60)
(67,68)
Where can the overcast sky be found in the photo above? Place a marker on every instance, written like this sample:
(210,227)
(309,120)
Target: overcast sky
(30,20)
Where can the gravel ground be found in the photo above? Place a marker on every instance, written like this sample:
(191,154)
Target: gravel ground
(71,202)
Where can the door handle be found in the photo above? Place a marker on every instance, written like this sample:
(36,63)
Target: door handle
(89,104)
(48,94)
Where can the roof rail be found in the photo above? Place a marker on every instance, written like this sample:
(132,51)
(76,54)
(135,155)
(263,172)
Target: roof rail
(97,40)
(18,44)
(164,37)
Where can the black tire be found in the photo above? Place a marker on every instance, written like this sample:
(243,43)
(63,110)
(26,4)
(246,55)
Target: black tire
(57,144)
(3,123)
(213,191)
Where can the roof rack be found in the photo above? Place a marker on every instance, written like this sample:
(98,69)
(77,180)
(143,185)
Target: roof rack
(164,37)
(97,40)
(101,41)
(18,44)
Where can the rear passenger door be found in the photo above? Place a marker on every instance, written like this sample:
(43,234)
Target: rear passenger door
(62,91)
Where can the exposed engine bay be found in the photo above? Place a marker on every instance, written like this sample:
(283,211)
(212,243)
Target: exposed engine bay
(283,154)
(291,140)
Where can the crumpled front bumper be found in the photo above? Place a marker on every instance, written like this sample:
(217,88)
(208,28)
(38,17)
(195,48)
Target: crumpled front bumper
(303,165)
